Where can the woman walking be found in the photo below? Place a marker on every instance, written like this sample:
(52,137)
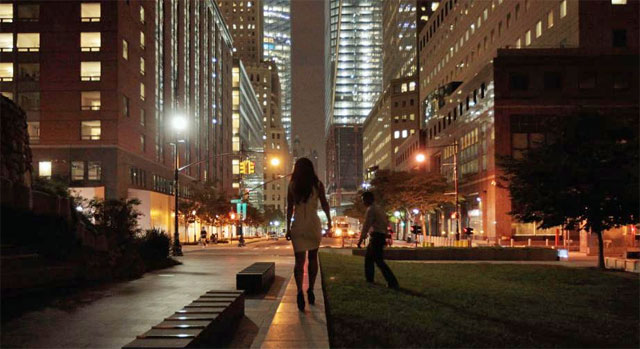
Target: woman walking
(305,232)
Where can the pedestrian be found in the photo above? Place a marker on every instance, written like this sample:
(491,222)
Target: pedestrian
(303,194)
(203,237)
(375,221)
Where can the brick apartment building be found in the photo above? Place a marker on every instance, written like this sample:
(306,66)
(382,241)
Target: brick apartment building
(100,82)
(491,70)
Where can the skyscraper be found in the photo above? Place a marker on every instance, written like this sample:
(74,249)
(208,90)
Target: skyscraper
(277,48)
(354,78)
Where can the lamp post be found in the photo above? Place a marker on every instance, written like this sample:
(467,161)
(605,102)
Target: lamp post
(421,158)
(179,123)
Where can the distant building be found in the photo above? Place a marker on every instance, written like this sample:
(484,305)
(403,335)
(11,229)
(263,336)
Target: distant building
(264,78)
(247,136)
(392,120)
(354,80)
(100,85)
(490,71)
(277,48)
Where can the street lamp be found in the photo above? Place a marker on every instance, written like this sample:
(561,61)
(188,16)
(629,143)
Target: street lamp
(179,124)
(275,161)
(420,158)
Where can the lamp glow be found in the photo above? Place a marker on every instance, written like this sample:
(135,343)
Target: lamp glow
(275,161)
(179,123)
(420,157)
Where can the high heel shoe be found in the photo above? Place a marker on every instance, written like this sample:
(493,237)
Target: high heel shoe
(311,297)
(300,301)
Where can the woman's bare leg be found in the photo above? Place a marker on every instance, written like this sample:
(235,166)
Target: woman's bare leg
(298,269)
(313,267)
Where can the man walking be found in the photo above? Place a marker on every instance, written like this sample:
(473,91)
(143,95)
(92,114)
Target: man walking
(376,221)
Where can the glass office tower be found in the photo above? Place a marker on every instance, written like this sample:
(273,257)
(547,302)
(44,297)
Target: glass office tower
(277,48)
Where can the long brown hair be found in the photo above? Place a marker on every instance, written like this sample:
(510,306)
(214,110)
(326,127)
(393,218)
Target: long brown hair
(303,180)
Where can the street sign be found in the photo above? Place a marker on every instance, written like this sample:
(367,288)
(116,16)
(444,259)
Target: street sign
(236,201)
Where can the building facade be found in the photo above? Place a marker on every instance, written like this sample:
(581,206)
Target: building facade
(491,71)
(392,120)
(101,84)
(354,80)
(247,137)
(245,21)
(277,48)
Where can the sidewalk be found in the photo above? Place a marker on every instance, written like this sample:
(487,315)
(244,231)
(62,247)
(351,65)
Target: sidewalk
(292,328)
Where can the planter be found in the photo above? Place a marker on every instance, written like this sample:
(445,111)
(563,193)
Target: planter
(475,253)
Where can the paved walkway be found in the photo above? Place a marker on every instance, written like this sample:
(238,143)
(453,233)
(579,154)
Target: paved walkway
(292,328)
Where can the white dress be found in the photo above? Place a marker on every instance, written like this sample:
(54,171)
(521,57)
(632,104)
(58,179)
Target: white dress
(306,228)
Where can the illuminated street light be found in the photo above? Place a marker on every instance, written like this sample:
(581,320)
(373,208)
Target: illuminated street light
(179,123)
(396,214)
(416,211)
(420,158)
(275,161)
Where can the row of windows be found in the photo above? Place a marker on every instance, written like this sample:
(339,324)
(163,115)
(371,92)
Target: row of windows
(403,134)
(553,80)
(470,101)
(404,118)
(80,170)
(89,12)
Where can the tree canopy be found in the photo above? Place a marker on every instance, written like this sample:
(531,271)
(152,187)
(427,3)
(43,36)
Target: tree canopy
(584,175)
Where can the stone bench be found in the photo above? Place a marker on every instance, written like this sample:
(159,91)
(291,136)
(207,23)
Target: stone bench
(204,322)
(257,277)
(629,265)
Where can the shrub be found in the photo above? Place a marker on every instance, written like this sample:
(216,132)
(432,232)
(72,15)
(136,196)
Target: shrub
(154,246)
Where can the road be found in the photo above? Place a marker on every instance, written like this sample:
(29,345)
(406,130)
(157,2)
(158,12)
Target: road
(109,316)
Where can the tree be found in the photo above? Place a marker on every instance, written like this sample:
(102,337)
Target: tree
(585,175)
(272,214)
(117,219)
(254,218)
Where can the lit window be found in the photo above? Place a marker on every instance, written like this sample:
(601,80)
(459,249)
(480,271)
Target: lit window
(538,29)
(90,130)
(90,71)
(519,43)
(618,2)
(28,12)
(142,65)
(90,42)
(412,86)
(44,169)
(550,19)
(29,71)
(396,134)
(412,117)
(28,42)
(90,12)
(33,129)
(90,100)
(142,91)
(563,8)
(6,71)
(404,87)
(142,40)
(125,106)
(235,166)
(94,171)
(125,49)
(142,143)
(6,42)
(404,133)
(77,170)
(527,38)
(7,94)
(141,14)
(6,13)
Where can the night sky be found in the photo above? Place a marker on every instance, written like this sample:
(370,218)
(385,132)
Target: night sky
(307,70)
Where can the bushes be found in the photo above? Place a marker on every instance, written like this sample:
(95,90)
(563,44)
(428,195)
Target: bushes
(153,247)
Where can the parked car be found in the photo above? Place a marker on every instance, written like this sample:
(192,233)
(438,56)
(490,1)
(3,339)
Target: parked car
(272,236)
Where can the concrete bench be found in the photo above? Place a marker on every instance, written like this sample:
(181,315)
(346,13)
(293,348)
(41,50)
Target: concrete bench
(204,322)
(257,277)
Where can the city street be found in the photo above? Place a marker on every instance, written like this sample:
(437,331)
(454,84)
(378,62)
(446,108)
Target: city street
(112,315)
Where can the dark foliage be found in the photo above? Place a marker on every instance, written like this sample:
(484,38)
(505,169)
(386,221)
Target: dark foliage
(153,247)
(584,176)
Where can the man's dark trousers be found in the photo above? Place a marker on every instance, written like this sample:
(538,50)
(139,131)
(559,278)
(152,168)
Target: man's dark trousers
(374,255)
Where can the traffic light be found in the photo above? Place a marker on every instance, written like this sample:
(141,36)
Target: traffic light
(232,215)
(416,229)
(252,167)
(468,231)
(243,168)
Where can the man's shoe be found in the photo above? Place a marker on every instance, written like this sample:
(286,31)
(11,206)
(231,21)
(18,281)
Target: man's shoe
(311,297)
(300,301)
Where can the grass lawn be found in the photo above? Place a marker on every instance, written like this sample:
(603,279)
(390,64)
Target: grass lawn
(479,305)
